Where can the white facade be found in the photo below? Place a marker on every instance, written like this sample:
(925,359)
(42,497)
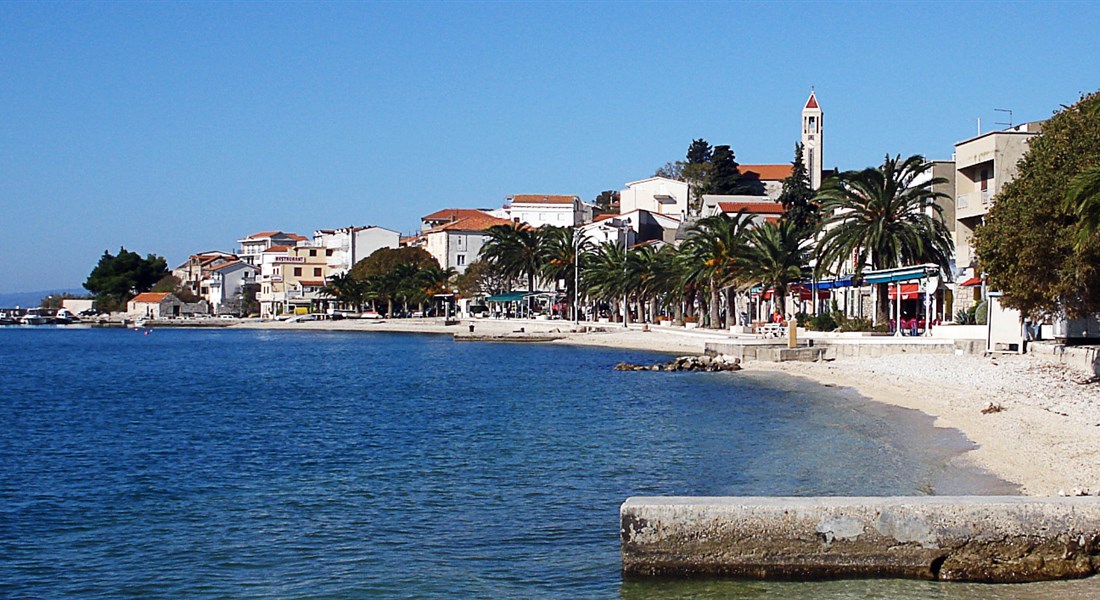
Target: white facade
(349,245)
(610,230)
(456,245)
(559,211)
(254,245)
(223,284)
(658,195)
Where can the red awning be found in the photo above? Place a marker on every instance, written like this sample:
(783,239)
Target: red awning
(803,293)
(909,291)
(971,282)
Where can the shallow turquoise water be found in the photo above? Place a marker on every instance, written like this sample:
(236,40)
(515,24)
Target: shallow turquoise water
(293,465)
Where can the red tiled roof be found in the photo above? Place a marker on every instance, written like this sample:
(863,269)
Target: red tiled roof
(278,249)
(971,282)
(604,217)
(542,199)
(312,282)
(768,172)
(233,263)
(452,214)
(263,234)
(753,208)
(812,102)
(479,222)
(295,236)
(151,297)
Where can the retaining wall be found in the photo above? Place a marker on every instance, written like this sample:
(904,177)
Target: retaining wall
(988,539)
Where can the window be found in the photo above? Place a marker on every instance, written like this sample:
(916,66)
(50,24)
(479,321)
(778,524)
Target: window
(985,179)
(313,253)
(810,165)
(460,259)
(328,252)
(317,271)
(460,242)
(297,271)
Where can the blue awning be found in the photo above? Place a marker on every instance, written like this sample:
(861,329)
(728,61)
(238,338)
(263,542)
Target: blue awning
(507,297)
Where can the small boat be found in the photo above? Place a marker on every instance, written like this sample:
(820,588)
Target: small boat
(7,319)
(36,316)
(65,317)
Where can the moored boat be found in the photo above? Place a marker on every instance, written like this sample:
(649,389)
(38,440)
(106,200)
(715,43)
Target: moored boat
(36,316)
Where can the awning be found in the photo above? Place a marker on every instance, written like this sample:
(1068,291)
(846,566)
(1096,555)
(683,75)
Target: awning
(804,292)
(909,291)
(900,274)
(507,297)
(971,282)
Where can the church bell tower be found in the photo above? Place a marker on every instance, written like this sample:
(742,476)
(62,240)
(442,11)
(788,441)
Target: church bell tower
(811,140)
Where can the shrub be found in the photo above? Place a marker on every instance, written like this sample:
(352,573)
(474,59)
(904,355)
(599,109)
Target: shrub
(981,313)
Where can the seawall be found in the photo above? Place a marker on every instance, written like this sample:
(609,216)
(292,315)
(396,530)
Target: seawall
(997,539)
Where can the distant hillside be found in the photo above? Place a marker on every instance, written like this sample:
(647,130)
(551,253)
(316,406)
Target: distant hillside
(24,299)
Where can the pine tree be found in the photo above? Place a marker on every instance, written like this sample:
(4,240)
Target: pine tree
(797,197)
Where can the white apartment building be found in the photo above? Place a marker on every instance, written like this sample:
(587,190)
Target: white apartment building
(224,284)
(658,195)
(983,165)
(254,245)
(348,245)
(537,210)
(458,243)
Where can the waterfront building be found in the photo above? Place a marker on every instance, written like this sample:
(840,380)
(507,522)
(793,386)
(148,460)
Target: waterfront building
(983,166)
(163,305)
(253,246)
(348,245)
(450,215)
(456,244)
(225,284)
(537,210)
(291,278)
(196,268)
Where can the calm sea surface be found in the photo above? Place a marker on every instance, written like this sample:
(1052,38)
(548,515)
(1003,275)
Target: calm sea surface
(332,465)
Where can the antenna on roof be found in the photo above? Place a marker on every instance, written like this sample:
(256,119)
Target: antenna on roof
(1005,110)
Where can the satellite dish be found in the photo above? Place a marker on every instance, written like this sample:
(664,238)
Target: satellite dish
(932,285)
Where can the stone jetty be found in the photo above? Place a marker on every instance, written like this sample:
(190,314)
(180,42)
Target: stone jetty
(995,539)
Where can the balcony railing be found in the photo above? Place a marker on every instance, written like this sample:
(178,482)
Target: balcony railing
(962,201)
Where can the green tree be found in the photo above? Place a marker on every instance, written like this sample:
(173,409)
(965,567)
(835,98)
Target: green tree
(1035,244)
(514,251)
(480,279)
(775,258)
(170,284)
(886,217)
(797,197)
(726,177)
(346,289)
(712,257)
(604,275)
(116,279)
(558,257)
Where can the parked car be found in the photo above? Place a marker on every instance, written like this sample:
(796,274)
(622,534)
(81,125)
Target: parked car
(370,314)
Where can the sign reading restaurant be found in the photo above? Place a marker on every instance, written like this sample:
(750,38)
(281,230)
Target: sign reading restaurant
(290,259)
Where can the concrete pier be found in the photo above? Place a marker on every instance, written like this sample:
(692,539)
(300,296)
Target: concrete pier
(997,539)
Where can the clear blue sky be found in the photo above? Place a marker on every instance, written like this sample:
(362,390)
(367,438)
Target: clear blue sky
(174,128)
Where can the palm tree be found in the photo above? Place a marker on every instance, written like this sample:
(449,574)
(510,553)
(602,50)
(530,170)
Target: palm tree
(713,256)
(603,273)
(1083,200)
(645,272)
(432,280)
(558,256)
(775,258)
(513,250)
(886,217)
(345,289)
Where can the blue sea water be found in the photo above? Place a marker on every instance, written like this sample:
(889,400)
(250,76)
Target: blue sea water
(257,464)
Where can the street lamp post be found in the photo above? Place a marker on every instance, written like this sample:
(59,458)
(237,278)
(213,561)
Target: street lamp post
(576,278)
(626,307)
